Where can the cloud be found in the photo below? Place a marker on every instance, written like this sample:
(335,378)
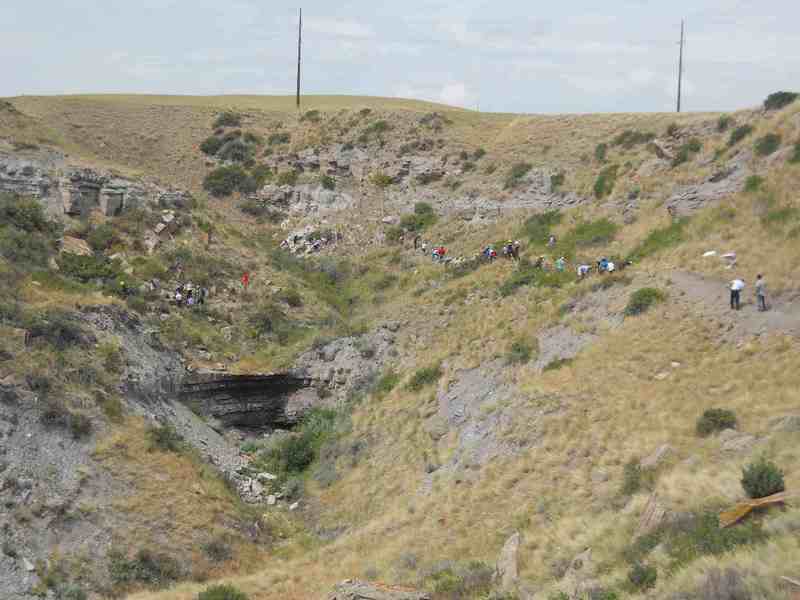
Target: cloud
(338,28)
(455,94)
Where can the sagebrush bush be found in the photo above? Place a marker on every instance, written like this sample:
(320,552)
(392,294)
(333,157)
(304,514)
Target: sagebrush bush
(795,157)
(289,177)
(101,237)
(222,592)
(660,239)
(520,352)
(762,478)
(165,438)
(738,134)
(424,377)
(146,567)
(779,100)
(724,122)
(631,477)
(237,150)
(601,152)
(218,550)
(714,420)
(537,228)
(211,145)
(641,300)
(768,144)
(516,173)
(556,180)
(605,182)
(224,181)
(630,138)
(386,383)
(642,577)
(276,139)
(753,183)
(228,119)
(327,182)
(422,218)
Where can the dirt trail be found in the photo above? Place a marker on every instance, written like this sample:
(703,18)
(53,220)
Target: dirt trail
(710,298)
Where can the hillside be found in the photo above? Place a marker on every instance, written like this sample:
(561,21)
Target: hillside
(446,405)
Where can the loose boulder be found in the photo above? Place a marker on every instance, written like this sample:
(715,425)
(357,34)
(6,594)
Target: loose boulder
(353,589)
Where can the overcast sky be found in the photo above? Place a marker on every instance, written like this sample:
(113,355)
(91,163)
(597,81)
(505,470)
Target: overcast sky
(504,56)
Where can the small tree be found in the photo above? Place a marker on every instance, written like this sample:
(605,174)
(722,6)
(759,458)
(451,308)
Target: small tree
(641,300)
(714,420)
(762,478)
(222,592)
(779,100)
(643,577)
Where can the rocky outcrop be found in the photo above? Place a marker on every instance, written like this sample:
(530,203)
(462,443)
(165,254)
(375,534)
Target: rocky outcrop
(353,589)
(65,189)
(507,570)
(303,200)
(729,180)
(346,365)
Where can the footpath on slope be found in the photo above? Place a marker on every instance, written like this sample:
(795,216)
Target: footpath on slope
(710,298)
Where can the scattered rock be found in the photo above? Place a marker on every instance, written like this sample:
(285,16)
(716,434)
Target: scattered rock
(294,506)
(73,245)
(272,500)
(656,458)
(652,516)
(28,565)
(737,442)
(507,569)
(789,424)
(353,589)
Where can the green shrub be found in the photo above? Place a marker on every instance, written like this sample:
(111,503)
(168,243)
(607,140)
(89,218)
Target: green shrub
(327,182)
(556,180)
(228,119)
(631,477)
(781,216)
(424,377)
(660,239)
(604,184)
(768,144)
(165,438)
(715,419)
(590,233)
(87,268)
(673,129)
(642,577)
(101,237)
(386,383)
(686,151)
(779,100)
(312,116)
(381,180)
(601,152)
(261,174)
(762,478)
(641,300)
(515,175)
(537,228)
(377,128)
(253,139)
(795,157)
(724,122)
(478,154)
(700,535)
(80,425)
(291,297)
(753,183)
(26,214)
(276,139)
(630,138)
(222,592)
(520,352)
(557,363)
(237,151)
(211,145)
(224,181)
(146,567)
(57,328)
(422,218)
(526,275)
(288,177)
(21,248)
(218,550)
(738,134)
(456,580)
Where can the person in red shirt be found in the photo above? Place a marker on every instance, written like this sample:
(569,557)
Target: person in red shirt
(246,281)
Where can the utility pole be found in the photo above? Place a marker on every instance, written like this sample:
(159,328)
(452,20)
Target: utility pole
(299,54)
(680,68)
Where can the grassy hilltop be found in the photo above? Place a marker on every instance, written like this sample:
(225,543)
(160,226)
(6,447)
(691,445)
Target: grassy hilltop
(517,401)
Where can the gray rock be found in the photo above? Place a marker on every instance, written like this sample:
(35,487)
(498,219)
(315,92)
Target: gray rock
(507,569)
(788,423)
(353,589)
(740,442)
(28,565)
(656,458)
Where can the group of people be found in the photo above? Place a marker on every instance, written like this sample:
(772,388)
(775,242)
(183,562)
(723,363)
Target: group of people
(738,285)
(187,294)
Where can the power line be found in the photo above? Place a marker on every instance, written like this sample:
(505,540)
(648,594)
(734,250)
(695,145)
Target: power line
(680,66)
(299,55)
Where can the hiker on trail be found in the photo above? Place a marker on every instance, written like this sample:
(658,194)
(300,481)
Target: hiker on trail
(539,264)
(507,250)
(424,247)
(179,295)
(761,293)
(611,267)
(561,264)
(246,281)
(737,285)
(416,242)
(515,249)
(602,265)
(551,241)
(583,271)
(190,298)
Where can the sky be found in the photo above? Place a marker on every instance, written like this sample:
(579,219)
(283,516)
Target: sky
(572,56)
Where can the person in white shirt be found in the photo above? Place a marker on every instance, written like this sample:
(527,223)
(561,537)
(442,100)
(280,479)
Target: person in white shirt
(737,285)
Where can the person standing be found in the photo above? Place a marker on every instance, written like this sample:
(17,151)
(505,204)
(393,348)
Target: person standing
(761,293)
(246,281)
(737,285)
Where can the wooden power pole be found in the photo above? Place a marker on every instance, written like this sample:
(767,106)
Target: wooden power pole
(299,55)
(680,68)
